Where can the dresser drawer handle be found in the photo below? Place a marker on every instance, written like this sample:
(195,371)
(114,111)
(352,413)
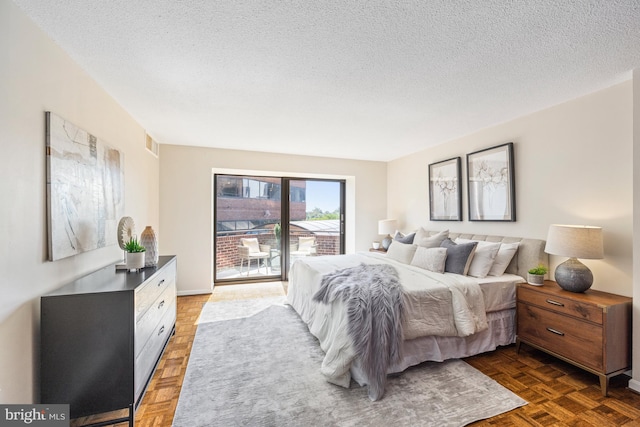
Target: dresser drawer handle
(555,331)
(161,304)
(160,282)
(550,301)
(161,330)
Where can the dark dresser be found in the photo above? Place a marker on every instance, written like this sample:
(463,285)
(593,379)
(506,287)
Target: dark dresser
(102,336)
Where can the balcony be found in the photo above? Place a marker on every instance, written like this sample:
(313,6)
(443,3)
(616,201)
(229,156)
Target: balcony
(227,259)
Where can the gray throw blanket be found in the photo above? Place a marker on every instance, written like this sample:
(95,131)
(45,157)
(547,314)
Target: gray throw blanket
(375,312)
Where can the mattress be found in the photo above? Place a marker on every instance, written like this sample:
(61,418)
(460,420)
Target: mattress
(501,332)
(434,302)
(499,291)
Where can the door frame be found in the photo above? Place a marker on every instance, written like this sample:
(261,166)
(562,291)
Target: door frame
(285,217)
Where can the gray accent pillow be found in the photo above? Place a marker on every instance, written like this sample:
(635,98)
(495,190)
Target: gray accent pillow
(431,259)
(458,256)
(422,238)
(483,257)
(404,239)
(402,252)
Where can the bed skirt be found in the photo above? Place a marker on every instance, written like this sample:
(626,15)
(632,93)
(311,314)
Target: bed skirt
(501,331)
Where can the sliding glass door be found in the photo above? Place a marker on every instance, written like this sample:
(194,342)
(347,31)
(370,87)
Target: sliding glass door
(258,232)
(247,219)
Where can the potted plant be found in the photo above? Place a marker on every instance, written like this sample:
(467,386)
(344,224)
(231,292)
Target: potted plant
(277,230)
(535,275)
(135,254)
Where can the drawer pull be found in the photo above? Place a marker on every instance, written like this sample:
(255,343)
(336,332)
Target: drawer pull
(555,331)
(160,282)
(161,304)
(161,330)
(550,301)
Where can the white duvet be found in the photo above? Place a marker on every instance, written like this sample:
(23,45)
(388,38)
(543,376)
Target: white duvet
(435,304)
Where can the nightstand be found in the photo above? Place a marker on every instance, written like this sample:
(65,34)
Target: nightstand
(591,330)
(382,251)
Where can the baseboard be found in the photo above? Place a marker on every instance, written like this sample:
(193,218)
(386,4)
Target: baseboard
(634,385)
(194,292)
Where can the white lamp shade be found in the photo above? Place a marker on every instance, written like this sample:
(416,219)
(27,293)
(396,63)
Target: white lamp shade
(575,241)
(387,226)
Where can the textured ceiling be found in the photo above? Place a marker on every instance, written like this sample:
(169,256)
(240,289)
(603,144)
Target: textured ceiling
(371,80)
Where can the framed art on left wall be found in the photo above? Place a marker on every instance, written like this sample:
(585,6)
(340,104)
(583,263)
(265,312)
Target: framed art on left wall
(445,201)
(85,189)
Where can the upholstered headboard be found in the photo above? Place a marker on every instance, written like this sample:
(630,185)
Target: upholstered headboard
(530,252)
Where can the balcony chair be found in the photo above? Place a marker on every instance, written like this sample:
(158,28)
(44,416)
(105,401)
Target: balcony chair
(306,246)
(251,249)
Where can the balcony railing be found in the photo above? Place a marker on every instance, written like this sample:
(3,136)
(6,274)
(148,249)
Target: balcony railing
(227,256)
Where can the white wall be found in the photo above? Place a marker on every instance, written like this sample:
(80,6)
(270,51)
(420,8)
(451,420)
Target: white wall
(37,76)
(186,192)
(574,164)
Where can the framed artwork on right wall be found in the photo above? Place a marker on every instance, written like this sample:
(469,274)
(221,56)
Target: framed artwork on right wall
(491,185)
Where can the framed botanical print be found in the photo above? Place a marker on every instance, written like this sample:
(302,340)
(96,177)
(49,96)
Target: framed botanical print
(490,184)
(445,196)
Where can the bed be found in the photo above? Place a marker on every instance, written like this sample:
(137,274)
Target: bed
(445,315)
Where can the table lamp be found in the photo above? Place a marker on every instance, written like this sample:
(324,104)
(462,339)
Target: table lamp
(574,241)
(385,228)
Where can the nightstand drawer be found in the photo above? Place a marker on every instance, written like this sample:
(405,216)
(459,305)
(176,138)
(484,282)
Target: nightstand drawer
(574,339)
(560,304)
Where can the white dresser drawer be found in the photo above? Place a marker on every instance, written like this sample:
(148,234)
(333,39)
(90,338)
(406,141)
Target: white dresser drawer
(147,322)
(149,292)
(146,360)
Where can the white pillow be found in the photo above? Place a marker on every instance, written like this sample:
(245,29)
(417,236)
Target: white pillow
(432,259)
(423,239)
(504,257)
(483,257)
(402,252)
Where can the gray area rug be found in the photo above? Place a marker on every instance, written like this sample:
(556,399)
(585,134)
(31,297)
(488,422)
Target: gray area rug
(264,370)
(236,309)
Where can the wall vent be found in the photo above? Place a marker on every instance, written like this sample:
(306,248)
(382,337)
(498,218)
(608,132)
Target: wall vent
(152,145)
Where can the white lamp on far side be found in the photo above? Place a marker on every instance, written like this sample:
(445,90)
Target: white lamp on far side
(385,228)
